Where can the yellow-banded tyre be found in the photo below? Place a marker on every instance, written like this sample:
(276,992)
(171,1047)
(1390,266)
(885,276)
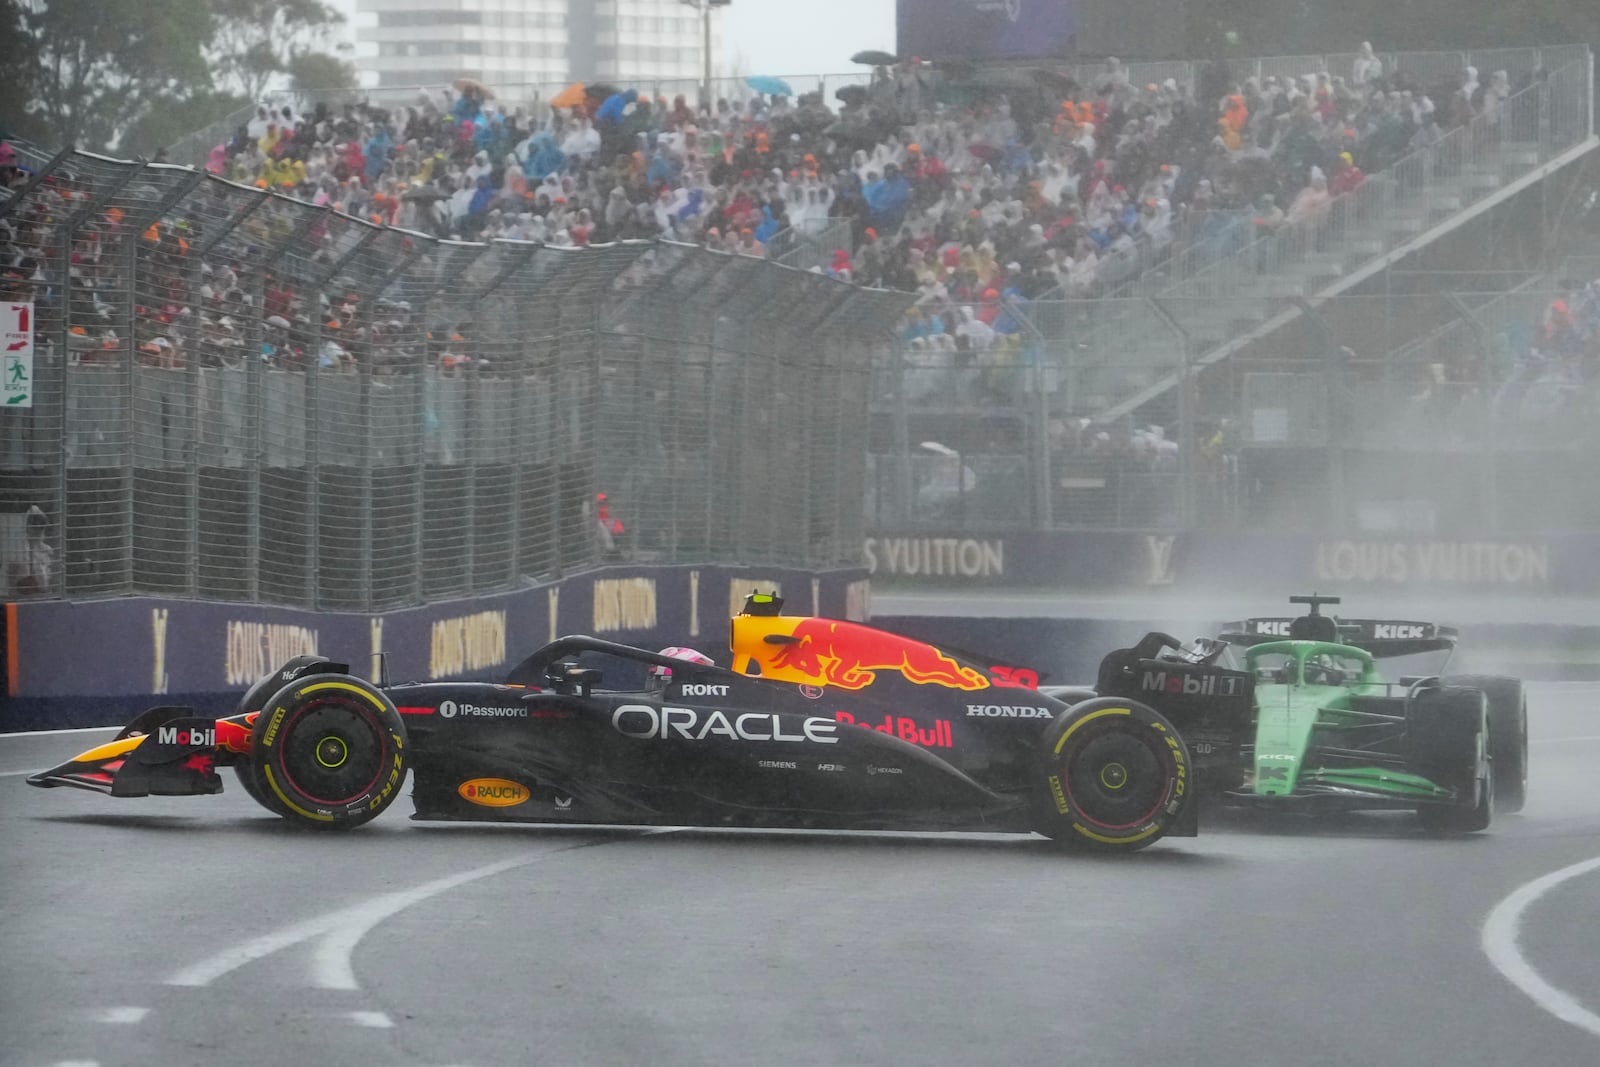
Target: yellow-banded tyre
(1114,776)
(329,752)
(255,700)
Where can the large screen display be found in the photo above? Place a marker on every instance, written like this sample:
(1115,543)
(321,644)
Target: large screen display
(985,29)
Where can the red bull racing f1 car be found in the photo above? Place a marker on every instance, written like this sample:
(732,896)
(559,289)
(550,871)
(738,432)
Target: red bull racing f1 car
(817,723)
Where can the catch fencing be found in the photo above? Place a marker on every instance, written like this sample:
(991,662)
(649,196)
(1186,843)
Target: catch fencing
(240,396)
(1435,413)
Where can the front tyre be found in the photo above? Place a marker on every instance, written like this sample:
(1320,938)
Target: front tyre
(1114,776)
(1508,736)
(329,752)
(1460,819)
(255,700)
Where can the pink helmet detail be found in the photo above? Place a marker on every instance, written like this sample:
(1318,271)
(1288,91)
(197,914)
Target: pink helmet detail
(661,675)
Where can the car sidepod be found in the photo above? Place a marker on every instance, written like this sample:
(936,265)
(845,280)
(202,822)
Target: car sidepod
(712,759)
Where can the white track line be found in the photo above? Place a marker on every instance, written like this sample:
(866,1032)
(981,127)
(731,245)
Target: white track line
(1500,932)
(361,916)
(342,930)
(1564,740)
(331,967)
(15,774)
(119,1015)
(375,1019)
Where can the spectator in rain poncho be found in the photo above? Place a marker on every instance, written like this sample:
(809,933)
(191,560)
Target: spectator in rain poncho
(1367,67)
(1312,202)
(541,157)
(468,106)
(888,198)
(514,186)
(582,141)
(768,227)
(662,170)
(377,151)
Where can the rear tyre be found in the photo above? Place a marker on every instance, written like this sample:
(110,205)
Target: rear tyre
(1508,737)
(1114,776)
(329,751)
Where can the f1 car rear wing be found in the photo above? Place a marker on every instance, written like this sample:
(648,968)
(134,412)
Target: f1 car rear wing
(1384,638)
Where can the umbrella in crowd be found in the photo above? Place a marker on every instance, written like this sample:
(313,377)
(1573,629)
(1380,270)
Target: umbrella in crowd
(474,87)
(765,83)
(875,59)
(424,192)
(611,110)
(572,96)
(851,94)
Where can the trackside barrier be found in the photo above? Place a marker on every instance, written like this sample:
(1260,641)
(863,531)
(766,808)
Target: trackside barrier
(1260,564)
(86,663)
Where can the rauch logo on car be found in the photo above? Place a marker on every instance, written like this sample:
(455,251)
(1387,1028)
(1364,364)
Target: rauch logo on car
(493,792)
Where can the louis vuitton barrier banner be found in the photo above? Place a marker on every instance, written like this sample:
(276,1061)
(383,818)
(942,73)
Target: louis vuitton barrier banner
(1278,562)
(144,646)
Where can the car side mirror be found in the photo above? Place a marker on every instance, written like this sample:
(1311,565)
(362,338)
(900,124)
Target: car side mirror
(571,678)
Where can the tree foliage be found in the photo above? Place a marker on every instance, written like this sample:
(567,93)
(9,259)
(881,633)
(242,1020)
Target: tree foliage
(259,41)
(98,65)
(131,75)
(317,70)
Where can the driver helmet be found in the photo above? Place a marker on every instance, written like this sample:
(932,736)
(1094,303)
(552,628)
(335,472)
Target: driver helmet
(661,676)
(1321,669)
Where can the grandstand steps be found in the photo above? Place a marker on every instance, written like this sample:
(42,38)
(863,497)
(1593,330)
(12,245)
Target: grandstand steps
(1404,218)
(1519,154)
(1483,176)
(1446,200)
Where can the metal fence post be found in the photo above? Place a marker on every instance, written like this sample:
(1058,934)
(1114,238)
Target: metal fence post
(1186,434)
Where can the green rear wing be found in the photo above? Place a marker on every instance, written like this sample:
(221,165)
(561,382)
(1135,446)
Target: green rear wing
(1383,638)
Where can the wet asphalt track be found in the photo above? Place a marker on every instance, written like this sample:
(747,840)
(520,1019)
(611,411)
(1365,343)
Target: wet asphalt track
(1351,941)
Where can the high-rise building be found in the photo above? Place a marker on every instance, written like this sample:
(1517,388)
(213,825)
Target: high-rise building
(516,42)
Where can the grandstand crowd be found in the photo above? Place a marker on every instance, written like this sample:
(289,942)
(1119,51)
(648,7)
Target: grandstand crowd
(980,200)
(1031,189)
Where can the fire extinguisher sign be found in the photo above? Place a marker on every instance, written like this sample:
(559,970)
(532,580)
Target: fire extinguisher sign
(16,344)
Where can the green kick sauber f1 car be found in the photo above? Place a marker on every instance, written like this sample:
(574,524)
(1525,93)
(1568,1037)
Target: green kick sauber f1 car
(1307,722)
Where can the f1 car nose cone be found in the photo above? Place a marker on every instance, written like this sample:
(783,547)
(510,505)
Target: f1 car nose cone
(1113,776)
(332,751)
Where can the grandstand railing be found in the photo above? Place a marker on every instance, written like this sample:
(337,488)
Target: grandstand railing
(811,244)
(241,396)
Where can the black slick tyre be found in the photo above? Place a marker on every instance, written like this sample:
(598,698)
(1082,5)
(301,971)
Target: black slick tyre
(329,751)
(1461,818)
(1508,736)
(248,774)
(1113,777)
(1447,740)
(255,699)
